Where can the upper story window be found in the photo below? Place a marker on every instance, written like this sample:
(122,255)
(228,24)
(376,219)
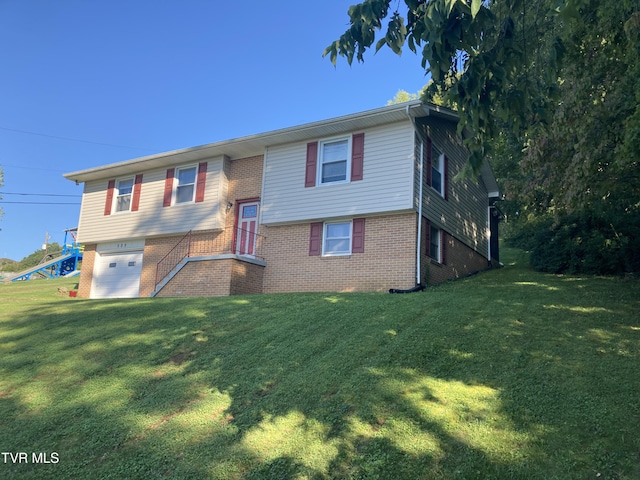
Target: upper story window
(437,171)
(123,195)
(124,191)
(186,184)
(334,161)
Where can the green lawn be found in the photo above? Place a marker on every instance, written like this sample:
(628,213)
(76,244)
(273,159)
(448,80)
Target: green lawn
(507,374)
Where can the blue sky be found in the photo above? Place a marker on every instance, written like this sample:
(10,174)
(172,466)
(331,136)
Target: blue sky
(87,83)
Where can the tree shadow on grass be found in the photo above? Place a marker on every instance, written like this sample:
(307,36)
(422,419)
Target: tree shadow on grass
(285,468)
(329,386)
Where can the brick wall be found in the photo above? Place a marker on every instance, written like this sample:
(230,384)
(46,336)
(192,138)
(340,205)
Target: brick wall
(210,242)
(246,278)
(211,278)
(202,243)
(460,260)
(154,250)
(388,260)
(86,271)
(245,181)
(207,278)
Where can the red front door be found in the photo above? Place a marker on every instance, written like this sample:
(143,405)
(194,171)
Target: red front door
(247,228)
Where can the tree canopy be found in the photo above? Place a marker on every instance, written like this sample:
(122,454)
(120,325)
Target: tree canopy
(403,96)
(548,90)
(486,54)
(500,60)
(36,258)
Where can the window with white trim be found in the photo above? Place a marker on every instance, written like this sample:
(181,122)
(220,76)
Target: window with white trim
(186,184)
(124,190)
(336,239)
(437,171)
(434,244)
(334,161)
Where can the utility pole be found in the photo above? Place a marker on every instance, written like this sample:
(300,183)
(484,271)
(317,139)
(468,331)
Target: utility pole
(45,245)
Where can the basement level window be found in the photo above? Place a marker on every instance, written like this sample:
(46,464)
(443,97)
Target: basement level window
(434,244)
(337,239)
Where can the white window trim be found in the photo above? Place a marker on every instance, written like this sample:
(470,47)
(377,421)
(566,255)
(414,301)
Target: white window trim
(117,195)
(324,239)
(176,185)
(439,168)
(320,162)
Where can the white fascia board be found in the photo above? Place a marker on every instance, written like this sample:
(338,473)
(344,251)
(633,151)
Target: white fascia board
(252,145)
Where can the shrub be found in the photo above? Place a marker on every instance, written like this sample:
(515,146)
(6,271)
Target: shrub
(586,242)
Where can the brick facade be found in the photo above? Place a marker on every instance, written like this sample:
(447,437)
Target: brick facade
(246,278)
(86,271)
(200,279)
(154,250)
(388,260)
(460,260)
(211,278)
(245,181)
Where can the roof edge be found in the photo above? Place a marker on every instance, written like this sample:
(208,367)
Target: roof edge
(259,141)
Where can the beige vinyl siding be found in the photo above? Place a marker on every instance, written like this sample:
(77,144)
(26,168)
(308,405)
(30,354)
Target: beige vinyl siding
(386,186)
(464,214)
(152,218)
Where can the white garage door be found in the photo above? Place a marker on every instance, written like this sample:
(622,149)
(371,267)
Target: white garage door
(117,275)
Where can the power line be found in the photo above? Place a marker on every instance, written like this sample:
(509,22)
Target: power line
(40,194)
(5,165)
(42,203)
(77,139)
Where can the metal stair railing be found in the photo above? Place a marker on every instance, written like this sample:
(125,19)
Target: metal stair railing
(178,253)
(238,241)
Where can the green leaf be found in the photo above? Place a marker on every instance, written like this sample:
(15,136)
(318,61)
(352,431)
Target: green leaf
(332,51)
(450,5)
(412,44)
(475,7)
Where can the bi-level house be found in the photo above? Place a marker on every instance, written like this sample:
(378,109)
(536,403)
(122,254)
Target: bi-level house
(363,202)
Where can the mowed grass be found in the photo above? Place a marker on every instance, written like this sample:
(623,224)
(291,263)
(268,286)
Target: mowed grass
(507,374)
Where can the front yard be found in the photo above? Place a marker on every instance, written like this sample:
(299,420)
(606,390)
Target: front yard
(508,374)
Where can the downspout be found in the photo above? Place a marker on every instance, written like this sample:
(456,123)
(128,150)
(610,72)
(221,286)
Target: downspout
(488,235)
(418,252)
(419,287)
(420,183)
